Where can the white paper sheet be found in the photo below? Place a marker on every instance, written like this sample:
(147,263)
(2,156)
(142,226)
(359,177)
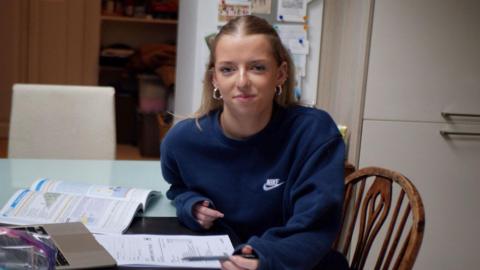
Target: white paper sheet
(229,9)
(262,6)
(294,37)
(292,10)
(165,250)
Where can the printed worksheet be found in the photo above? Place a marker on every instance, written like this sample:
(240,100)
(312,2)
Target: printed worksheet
(165,250)
(292,10)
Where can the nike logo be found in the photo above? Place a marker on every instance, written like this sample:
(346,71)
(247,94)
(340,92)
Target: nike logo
(271,184)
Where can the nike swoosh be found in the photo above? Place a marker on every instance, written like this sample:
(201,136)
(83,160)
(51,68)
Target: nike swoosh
(268,187)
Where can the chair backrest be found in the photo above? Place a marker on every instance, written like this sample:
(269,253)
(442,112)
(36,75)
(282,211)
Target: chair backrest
(383,220)
(62,122)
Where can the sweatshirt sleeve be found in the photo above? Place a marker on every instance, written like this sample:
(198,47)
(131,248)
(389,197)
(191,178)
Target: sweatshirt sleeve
(313,209)
(183,198)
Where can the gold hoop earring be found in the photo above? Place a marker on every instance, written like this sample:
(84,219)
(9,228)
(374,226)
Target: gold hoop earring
(278,90)
(216,94)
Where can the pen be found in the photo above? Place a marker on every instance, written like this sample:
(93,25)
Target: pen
(216,258)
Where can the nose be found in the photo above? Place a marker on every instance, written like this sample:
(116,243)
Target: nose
(242,79)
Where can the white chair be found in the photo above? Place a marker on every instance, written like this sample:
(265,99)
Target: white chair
(62,122)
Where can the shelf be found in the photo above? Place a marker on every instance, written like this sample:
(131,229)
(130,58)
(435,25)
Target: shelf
(137,20)
(104,67)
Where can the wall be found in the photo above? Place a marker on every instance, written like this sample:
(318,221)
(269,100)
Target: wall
(194,23)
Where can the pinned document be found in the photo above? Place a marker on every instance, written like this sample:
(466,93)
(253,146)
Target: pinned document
(230,9)
(298,46)
(262,6)
(294,37)
(292,10)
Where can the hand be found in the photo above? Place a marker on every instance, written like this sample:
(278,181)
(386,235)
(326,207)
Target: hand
(236,262)
(204,215)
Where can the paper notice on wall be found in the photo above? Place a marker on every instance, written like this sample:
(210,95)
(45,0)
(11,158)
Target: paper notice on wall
(300,61)
(294,38)
(298,46)
(294,33)
(298,87)
(230,9)
(262,6)
(292,10)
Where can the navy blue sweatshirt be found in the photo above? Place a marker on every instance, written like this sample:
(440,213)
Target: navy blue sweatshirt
(281,190)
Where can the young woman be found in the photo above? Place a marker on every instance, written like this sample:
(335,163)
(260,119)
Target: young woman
(255,161)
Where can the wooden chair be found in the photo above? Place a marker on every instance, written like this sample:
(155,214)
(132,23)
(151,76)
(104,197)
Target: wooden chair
(385,225)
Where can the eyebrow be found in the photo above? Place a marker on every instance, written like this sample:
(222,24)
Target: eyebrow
(256,61)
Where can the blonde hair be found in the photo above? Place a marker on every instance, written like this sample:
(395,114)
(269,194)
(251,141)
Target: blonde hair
(248,25)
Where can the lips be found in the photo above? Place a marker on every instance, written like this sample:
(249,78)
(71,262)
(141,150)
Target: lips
(244,97)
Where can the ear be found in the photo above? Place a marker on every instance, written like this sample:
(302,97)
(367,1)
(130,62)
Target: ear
(214,80)
(282,73)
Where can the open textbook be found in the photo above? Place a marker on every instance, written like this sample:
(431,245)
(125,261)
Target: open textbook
(103,209)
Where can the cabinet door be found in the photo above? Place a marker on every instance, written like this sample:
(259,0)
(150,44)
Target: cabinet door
(63,41)
(424,59)
(12,55)
(446,172)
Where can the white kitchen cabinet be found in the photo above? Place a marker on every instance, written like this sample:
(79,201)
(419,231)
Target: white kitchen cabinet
(424,60)
(446,172)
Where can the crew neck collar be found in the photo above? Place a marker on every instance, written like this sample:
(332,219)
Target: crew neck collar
(277,113)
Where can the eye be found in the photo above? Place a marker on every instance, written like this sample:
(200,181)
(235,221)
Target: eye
(225,70)
(258,67)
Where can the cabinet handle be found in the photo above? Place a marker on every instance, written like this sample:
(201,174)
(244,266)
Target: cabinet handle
(458,133)
(448,115)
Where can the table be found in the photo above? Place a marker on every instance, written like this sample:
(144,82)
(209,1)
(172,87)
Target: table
(20,173)
(160,216)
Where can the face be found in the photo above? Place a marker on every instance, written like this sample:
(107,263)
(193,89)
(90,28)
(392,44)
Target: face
(246,73)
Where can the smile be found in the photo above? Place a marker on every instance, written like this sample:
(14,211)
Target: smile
(244,97)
